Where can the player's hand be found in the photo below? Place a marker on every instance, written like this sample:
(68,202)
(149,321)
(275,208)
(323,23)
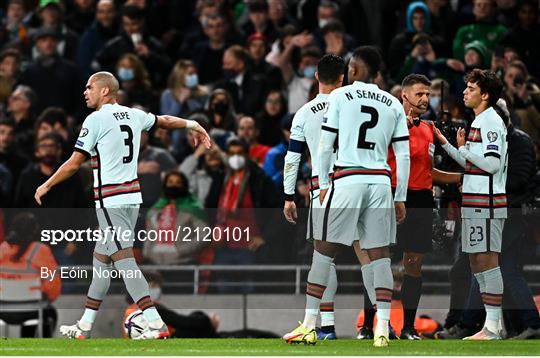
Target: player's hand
(401,211)
(460,137)
(289,210)
(322,195)
(440,137)
(201,136)
(255,243)
(40,192)
(409,118)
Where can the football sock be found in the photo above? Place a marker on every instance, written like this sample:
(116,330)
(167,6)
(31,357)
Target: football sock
(411,290)
(368,277)
(139,291)
(384,283)
(492,298)
(96,292)
(316,284)
(327,302)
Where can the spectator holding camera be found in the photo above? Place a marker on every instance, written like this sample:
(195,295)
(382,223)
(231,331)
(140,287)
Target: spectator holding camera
(520,91)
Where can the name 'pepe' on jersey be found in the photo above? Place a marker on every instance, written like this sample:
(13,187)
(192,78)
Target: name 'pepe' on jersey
(111,137)
(368,120)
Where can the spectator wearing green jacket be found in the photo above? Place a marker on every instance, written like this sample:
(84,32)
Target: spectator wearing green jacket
(484,29)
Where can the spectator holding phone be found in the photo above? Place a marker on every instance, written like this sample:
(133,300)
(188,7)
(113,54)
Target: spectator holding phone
(522,94)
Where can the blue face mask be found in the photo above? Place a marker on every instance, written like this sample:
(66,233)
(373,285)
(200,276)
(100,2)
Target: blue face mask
(125,74)
(434,102)
(309,71)
(191,81)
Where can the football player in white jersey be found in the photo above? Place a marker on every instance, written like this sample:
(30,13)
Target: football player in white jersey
(110,137)
(306,129)
(484,156)
(359,209)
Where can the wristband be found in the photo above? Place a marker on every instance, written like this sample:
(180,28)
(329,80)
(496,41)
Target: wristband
(191,124)
(289,197)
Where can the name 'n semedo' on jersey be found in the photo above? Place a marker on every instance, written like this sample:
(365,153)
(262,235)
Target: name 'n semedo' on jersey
(369,120)
(111,137)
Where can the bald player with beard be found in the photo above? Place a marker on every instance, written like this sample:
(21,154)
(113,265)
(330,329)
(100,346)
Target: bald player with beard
(110,137)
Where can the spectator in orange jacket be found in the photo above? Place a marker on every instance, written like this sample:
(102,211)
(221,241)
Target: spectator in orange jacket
(22,256)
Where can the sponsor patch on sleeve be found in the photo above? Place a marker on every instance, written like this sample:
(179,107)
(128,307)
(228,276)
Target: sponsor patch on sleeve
(79,143)
(492,147)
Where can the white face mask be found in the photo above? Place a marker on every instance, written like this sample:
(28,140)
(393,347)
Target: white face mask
(155,293)
(237,162)
(323,22)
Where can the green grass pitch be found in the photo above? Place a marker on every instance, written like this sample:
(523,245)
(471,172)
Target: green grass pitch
(260,347)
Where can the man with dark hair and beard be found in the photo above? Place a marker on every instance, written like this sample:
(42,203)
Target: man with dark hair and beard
(69,194)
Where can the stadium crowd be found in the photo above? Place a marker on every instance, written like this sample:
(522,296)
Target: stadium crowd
(242,69)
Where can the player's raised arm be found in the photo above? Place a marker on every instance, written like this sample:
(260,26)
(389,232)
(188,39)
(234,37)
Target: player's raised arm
(297,144)
(172,122)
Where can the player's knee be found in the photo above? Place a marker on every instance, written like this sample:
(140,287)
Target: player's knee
(413,264)
(122,254)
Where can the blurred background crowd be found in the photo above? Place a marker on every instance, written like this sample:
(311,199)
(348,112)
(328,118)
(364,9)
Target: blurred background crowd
(242,68)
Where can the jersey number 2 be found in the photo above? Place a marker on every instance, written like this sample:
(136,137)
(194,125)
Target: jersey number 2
(362,143)
(129,142)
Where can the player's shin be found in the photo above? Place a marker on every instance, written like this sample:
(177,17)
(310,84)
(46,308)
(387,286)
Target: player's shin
(492,298)
(317,282)
(327,302)
(384,283)
(96,292)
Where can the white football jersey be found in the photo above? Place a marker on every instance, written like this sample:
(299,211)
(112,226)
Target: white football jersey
(306,128)
(484,194)
(367,120)
(111,137)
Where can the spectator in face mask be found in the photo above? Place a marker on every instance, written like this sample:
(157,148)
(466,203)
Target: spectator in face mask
(176,208)
(184,94)
(244,189)
(222,116)
(135,81)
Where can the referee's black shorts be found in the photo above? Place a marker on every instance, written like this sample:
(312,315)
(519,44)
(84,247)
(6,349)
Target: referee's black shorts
(415,234)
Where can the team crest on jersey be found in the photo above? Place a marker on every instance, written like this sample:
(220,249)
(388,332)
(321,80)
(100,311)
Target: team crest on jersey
(492,136)
(84,132)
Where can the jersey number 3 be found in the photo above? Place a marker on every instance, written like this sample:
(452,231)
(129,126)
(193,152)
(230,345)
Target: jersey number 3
(362,143)
(129,142)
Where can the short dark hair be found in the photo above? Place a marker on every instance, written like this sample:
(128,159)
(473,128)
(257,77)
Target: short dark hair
(415,78)
(371,56)
(488,82)
(310,51)
(333,26)
(239,53)
(329,68)
(54,136)
(330,4)
(133,12)
(52,115)
(237,142)
(11,52)
(7,122)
